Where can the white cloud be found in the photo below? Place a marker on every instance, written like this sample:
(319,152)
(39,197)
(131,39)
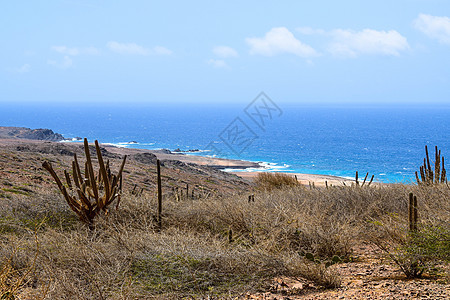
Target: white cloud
(24,69)
(159,50)
(368,41)
(75,51)
(277,41)
(135,49)
(309,30)
(224,51)
(435,27)
(218,63)
(64,64)
(130,48)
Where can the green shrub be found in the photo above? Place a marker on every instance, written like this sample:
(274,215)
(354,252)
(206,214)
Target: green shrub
(415,252)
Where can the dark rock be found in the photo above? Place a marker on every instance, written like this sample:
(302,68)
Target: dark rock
(103,151)
(31,134)
(50,148)
(145,158)
(178,150)
(174,163)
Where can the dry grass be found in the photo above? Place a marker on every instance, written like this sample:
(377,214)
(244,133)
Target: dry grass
(269,181)
(125,257)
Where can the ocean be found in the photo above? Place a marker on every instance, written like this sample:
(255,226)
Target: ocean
(386,141)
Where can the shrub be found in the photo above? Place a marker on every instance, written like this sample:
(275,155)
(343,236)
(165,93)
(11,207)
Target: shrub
(269,181)
(414,252)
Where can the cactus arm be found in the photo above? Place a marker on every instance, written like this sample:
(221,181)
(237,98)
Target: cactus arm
(91,170)
(104,175)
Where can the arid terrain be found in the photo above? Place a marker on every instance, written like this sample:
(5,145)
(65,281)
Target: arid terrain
(294,242)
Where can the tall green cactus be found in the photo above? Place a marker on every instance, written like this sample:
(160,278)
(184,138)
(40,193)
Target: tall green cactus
(428,176)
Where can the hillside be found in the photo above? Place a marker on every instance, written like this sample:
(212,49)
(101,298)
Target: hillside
(31,134)
(293,242)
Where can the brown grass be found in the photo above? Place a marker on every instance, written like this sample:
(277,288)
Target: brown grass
(125,257)
(269,181)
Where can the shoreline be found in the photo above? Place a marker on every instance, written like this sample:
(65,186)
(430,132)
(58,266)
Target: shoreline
(213,162)
(223,164)
(305,179)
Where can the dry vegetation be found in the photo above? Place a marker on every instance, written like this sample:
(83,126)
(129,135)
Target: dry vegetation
(270,181)
(217,246)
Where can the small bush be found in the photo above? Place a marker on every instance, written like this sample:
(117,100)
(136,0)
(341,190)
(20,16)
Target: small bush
(269,181)
(414,252)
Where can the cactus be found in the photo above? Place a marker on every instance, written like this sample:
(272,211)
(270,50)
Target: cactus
(158,172)
(230,236)
(428,176)
(365,179)
(412,212)
(309,256)
(336,259)
(88,189)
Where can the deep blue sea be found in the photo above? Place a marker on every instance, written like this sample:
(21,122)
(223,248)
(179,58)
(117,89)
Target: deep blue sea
(335,140)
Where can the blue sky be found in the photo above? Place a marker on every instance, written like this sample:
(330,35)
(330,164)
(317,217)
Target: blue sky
(393,51)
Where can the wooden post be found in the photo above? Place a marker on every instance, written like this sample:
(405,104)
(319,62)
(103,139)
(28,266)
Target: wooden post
(158,170)
(187,191)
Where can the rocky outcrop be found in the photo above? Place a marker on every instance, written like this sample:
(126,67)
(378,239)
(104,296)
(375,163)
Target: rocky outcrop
(31,134)
(145,158)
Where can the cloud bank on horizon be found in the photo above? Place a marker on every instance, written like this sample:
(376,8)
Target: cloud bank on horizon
(378,52)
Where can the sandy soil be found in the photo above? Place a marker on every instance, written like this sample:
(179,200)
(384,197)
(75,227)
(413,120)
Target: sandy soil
(306,179)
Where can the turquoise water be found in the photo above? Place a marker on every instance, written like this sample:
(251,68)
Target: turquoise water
(385,141)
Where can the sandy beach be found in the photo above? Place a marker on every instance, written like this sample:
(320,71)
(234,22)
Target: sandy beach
(305,179)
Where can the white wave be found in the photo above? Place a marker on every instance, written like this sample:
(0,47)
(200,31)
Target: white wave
(118,145)
(264,167)
(71,140)
(146,144)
